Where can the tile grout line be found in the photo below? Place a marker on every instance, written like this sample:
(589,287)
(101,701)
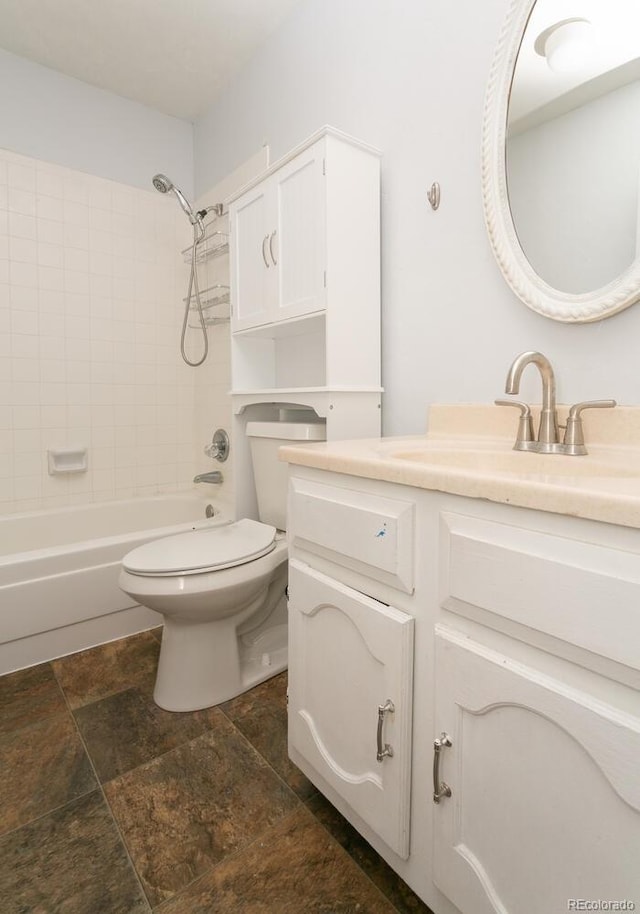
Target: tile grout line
(105,798)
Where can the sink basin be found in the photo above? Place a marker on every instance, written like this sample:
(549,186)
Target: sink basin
(520,463)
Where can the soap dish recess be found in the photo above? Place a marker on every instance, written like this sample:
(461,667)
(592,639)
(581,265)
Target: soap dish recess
(67,460)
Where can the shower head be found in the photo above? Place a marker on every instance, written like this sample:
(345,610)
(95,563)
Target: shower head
(164,185)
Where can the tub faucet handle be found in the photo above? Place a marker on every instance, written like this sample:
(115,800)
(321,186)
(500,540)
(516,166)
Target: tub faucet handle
(219,447)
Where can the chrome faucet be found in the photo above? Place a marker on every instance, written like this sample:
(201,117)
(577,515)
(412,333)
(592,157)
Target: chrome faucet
(214,476)
(548,441)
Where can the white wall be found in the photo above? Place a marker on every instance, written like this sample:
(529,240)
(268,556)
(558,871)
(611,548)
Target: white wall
(62,120)
(410,78)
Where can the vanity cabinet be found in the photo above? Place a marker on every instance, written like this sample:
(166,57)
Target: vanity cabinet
(525,675)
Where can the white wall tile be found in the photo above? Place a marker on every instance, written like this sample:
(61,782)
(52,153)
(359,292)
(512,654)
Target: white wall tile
(50,255)
(23,298)
(49,183)
(91,288)
(19,226)
(49,208)
(21,201)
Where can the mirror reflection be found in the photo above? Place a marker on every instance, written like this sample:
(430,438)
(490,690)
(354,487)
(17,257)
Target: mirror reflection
(573,141)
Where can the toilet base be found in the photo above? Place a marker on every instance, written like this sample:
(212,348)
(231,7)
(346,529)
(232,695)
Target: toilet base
(202,665)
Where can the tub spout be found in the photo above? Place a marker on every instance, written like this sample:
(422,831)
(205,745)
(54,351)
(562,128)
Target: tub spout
(215,477)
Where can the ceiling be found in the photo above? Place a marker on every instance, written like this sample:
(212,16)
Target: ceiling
(539,94)
(173,55)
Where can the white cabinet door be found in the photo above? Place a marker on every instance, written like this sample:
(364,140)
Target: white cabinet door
(252,279)
(349,657)
(278,244)
(545,788)
(298,244)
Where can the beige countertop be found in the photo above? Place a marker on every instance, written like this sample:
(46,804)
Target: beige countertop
(468,451)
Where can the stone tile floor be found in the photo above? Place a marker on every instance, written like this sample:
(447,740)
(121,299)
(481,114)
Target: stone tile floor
(109,805)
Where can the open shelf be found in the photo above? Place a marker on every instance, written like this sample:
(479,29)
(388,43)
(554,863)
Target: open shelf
(297,326)
(291,355)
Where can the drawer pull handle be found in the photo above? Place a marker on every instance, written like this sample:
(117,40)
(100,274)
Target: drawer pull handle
(386,750)
(271,237)
(440,789)
(264,253)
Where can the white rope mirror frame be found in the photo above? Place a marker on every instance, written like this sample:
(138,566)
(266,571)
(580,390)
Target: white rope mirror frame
(518,272)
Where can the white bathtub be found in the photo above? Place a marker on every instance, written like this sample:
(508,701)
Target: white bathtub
(59,573)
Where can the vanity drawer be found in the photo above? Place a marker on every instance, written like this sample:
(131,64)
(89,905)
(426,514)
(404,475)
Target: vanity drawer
(583,593)
(367,533)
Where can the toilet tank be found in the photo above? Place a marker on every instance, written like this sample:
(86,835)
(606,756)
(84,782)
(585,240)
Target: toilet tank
(270,474)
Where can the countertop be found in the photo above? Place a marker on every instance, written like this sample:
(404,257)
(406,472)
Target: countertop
(604,485)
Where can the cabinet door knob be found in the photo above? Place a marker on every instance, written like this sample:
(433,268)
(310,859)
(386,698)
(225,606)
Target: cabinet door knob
(440,789)
(385,751)
(264,253)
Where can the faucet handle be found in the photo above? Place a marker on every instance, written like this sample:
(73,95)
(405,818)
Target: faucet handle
(574,435)
(219,447)
(525,433)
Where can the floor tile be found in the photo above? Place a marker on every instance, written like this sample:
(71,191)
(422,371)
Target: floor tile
(100,671)
(379,872)
(261,715)
(185,811)
(296,869)
(128,728)
(44,766)
(69,862)
(29,696)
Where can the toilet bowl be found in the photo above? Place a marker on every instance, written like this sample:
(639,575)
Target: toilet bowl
(215,643)
(222,591)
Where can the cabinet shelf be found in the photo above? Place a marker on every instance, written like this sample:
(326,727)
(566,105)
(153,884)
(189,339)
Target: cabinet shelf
(297,326)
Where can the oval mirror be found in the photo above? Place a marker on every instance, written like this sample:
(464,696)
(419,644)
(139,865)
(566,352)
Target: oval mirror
(561,156)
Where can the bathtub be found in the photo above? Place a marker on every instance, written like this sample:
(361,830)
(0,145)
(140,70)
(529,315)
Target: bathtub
(59,573)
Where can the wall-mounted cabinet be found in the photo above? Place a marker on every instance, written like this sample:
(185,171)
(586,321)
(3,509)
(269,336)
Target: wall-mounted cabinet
(305,270)
(279,238)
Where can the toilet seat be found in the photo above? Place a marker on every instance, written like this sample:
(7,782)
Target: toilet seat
(224,546)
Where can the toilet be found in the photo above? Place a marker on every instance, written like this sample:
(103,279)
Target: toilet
(221,590)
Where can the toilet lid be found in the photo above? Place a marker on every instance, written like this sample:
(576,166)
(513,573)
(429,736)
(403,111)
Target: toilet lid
(202,550)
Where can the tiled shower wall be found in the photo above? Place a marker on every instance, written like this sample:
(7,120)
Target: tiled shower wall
(91,289)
